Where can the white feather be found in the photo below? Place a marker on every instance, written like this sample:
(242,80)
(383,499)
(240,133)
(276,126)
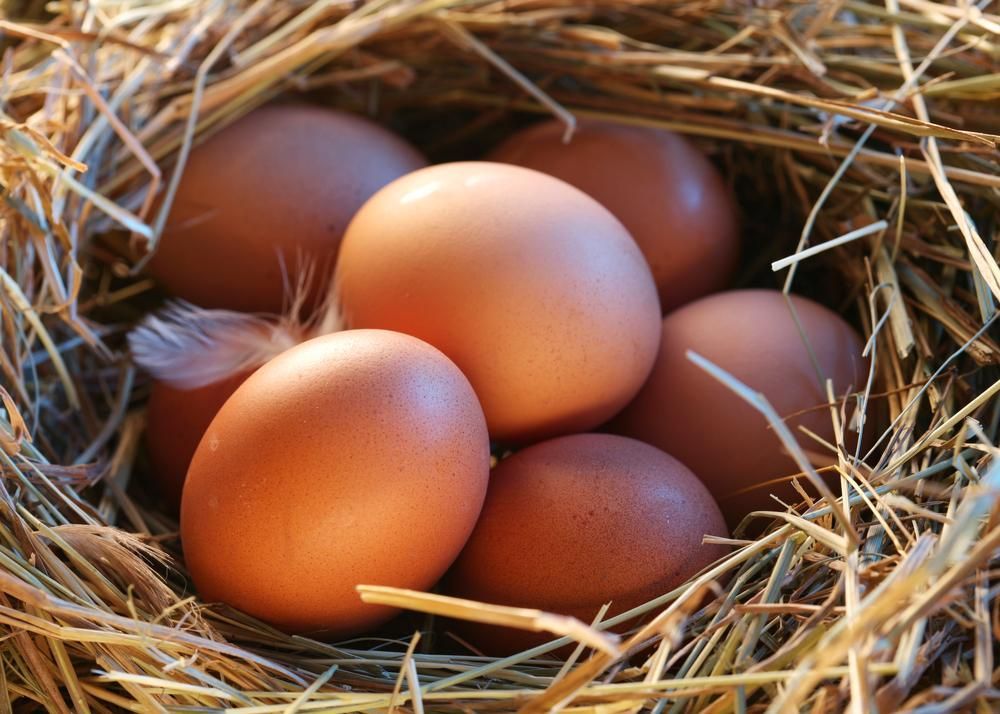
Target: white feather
(188,347)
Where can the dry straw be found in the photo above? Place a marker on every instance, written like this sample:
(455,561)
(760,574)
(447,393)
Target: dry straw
(867,126)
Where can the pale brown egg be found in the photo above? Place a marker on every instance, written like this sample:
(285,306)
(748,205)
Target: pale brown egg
(360,457)
(280,184)
(536,292)
(669,196)
(176,419)
(752,335)
(575,522)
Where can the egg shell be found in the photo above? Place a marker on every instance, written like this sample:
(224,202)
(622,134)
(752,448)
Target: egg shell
(725,441)
(669,196)
(574,522)
(536,291)
(280,183)
(176,419)
(359,457)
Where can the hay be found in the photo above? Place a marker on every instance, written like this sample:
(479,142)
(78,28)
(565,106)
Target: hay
(858,127)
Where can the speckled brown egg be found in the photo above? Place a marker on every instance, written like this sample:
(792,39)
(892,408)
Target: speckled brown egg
(176,419)
(669,196)
(534,289)
(281,183)
(751,334)
(360,457)
(574,522)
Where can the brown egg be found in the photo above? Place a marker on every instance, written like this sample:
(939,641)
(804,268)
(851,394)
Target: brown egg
(535,291)
(668,195)
(176,419)
(572,523)
(725,441)
(359,457)
(282,181)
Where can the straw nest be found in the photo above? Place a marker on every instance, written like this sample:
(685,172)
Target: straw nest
(858,135)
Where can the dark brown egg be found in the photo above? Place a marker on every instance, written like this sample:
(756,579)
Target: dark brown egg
(725,441)
(572,523)
(356,458)
(176,419)
(668,195)
(536,292)
(280,184)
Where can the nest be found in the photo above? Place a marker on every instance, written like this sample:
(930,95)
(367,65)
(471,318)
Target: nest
(858,136)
